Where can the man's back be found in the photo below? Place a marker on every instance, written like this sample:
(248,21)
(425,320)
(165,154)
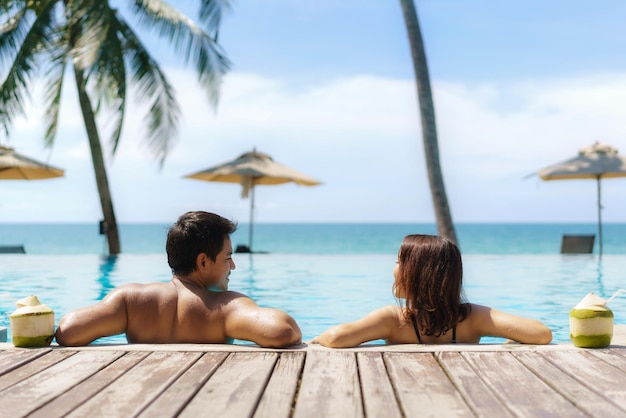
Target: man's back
(177,313)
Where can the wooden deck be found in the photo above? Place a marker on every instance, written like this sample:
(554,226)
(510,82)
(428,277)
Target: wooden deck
(373,381)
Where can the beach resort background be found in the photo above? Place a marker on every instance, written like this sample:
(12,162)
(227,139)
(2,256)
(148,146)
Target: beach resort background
(328,88)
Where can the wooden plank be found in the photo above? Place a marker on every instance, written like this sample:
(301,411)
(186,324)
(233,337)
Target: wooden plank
(422,387)
(13,359)
(611,357)
(235,388)
(277,399)
(379,399)
(620,351)
(595,374)
(179,393)
(4,354)
(329,386)
(519,388)
(475,392)
(68,401)
(540,383)
(137,388)
(587,400)
(34,365)
(29,394)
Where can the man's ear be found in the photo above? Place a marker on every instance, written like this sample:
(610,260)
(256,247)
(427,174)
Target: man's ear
(201,261)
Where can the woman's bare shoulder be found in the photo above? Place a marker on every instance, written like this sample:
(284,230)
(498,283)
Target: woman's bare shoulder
(393,311)
(477,313)
(478,309)
(390,314)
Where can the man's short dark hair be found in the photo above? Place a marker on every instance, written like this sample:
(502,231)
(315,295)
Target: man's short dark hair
(195,233)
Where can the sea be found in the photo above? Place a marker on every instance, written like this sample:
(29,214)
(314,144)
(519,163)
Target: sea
(324,273)
(314,238)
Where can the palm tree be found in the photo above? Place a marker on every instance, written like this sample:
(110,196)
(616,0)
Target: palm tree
(45,37)
(445,227)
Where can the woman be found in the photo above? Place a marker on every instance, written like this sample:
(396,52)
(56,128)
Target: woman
(428,276)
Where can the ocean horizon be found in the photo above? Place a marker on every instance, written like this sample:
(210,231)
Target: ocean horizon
(316,238)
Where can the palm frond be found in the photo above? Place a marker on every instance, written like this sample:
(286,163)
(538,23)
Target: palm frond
(38,41)
(54,87)
(187,38)
(12,33)
(9,7)
(152,87)
(211,12)
(87,21)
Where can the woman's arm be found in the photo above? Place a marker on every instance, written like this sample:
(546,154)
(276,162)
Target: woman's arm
(493,323)
(376,325)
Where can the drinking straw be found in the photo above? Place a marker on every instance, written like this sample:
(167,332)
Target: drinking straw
(615,294)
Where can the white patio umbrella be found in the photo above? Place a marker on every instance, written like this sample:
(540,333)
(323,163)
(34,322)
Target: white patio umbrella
(597,161)
(251,169)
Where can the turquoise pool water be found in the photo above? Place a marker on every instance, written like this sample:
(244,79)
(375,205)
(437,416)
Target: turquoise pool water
(322,290)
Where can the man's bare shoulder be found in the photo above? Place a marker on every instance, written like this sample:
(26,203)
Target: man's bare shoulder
(131,287)
(135,290)
(234,299)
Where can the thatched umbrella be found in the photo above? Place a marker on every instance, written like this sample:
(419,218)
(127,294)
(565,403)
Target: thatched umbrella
(14,166)
(595,162)
(252,169)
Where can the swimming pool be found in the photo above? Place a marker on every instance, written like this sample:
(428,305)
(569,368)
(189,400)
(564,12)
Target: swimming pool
(322,290)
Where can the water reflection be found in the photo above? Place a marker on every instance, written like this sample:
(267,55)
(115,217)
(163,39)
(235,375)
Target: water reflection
(599,269)
(588,270)
(243,278)
(107,266)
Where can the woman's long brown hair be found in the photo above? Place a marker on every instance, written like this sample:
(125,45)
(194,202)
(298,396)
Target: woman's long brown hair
(430,278)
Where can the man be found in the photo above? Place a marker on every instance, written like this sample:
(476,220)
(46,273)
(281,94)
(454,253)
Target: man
(194,307)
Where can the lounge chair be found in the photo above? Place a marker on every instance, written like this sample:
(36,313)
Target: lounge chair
(12,249)
(577,244)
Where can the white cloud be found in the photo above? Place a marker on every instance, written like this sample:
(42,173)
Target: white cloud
(496,139)
(360,135)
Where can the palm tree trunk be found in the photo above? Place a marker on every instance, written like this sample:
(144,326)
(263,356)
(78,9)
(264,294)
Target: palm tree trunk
(445,226)
(98,165)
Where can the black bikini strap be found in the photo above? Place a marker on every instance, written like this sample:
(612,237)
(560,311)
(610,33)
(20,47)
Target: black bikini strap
(419,339)
(454,334)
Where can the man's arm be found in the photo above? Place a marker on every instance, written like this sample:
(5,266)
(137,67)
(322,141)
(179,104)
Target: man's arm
(267,327)
(105,318)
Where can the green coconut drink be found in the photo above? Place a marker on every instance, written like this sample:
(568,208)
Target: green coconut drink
(32,323)
(591,323)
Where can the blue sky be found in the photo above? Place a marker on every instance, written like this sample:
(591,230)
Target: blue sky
(327,87)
